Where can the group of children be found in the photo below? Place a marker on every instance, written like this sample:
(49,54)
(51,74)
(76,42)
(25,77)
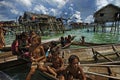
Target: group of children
(32,44)
(65,40)
(57,68)
(21,44)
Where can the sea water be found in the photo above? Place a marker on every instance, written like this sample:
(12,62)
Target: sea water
(94,37)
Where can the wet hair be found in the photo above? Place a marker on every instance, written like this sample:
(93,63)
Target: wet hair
(82,36)
(53,43)
(72,57)
(69,36)
(62,38)
(55,51)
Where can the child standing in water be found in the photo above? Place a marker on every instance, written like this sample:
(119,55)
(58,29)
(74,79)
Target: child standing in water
(82,39)
(74,70)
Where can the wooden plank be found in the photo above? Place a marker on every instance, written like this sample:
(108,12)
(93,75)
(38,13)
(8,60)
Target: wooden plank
(110,63)
(102,75)
(97,65)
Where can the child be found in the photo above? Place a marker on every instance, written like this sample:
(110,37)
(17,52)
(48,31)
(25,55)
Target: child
(74,70)
(82,39)
(37,56)
(62,41)
(14,46)
(57,66)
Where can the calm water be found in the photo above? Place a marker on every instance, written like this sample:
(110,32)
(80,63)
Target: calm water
(20,72)
(96,37)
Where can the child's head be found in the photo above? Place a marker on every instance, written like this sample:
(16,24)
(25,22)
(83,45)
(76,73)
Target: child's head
(73,60)
(62,38)
(36,40)
(69,36)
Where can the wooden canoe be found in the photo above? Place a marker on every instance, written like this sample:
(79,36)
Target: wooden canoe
(96,71)
(89,43)
(4,76)
(105,53)
(67,45)
(102,72)
(93,72)
(12,63)
(42,76)
(5,49)
(86,56)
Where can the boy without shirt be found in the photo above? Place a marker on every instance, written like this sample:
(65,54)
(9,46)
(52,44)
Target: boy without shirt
(37,56)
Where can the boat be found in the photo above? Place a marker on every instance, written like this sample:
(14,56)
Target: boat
(88,44)
(100,70)
(12,63)
(92,71)
(104,69)
(94,54)
(96,71)
(67,45)
(88,54)
(4,76)
(5,49)
(39,75)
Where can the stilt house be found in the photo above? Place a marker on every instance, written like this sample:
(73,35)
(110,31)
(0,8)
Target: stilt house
(41,22)
(109,13)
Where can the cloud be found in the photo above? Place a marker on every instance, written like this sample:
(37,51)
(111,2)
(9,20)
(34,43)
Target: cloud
(53,12)
(57,3)
(65,8)
(89,19)
(7,4)
(101,3)
(117,2)
(27,3)
(14,11)
(76,17)
(41,8)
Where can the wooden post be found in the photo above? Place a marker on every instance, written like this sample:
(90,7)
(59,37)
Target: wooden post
(95,55)
(115,50)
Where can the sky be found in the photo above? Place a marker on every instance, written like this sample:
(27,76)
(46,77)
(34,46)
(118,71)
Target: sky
(74,10)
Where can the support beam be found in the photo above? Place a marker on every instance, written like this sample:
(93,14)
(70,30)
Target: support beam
(103,56)
(115,50)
